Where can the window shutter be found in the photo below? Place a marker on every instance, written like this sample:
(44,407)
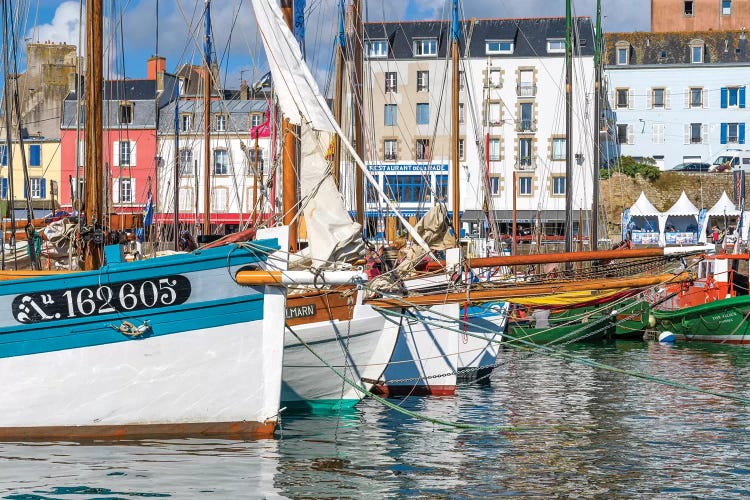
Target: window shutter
(631,96)
(687,134)
(704,134)
(4,189)
(116,150)
(35,155)
(724,94)
(631,135)
(133,162)
(742,96)
(741,126)
(705,98)
(667,99)
(133,196)
(723,133)
(687,97)
(116,190)
(649,96)
(42,188)
(25,190)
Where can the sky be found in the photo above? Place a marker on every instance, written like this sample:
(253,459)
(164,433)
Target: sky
(132,29)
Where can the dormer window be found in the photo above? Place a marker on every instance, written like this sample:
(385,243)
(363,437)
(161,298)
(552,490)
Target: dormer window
(425,47)
(697,49)
(186,122)
(555,46)
(622,52)
(125,114)
(498,47)
(221,123)
(377,48)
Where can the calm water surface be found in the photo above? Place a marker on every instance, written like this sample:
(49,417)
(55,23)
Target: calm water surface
(583,432)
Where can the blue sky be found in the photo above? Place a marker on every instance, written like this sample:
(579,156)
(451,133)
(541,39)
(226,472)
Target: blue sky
(236,43)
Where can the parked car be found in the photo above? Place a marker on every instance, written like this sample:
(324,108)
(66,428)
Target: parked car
(731,159)
(691,167)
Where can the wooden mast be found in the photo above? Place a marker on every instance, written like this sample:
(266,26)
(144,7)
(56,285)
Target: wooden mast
(597,125)
(569,128)
(359,108)
(289,155)
(455,34)
(94,95)
(177,167)
(207,123)
(338,95)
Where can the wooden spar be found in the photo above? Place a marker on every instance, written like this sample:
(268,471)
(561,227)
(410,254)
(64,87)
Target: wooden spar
(289,156)
(456,188)
(548,258)
(257,208)
(518,290)
(338,96)
(569,128)
(597,125)
(515,225)
(359,108)
(94,96)
(207,124)
(177,168)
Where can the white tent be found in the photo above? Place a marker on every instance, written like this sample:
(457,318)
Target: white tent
(642,221)
(723,208)
(643,207)
(683,215)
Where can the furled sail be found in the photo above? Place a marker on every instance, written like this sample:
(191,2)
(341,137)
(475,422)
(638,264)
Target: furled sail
(332,234)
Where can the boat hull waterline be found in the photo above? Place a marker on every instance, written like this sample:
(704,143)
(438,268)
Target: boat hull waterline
(722,321)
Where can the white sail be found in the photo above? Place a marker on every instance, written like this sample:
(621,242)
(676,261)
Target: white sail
(332,234)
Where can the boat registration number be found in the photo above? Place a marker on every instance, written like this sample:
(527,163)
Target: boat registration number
(305,311)
(94,300)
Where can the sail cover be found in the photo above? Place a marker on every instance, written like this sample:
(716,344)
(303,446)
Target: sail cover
(332,235)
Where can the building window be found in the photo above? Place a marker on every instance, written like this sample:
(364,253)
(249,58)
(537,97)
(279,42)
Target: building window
(221,162)
(558,186)
(687,7)
(423,113)
(526,87)
(498,47)
(733,97)
(251,158)
(622,56)
(527,117)
(494,152)
(461,149)
(555,45)
(186,199)
(494,78)
(406,188)
(726,7)
(423,81)
(494,113)
(391,81)
(697,48)
(625,134)
(524,186)
(733,133)
(623,98)
(461,112)
(256,119)
(441,187)
(126,113)
(558,148)
(186,162)
(696,97)
(4,155)
(221,123)
(524,152)
(423,149)
(695,133)
(126,190)
(38,187)
(125,153)
(221,199)
(377,48)
(186,122)
(461,80)
(495,185)
(35,155)
(425,47)
(657,98)
(657,133)
(390,149)
(390,113)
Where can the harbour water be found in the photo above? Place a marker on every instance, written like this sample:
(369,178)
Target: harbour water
(574,431)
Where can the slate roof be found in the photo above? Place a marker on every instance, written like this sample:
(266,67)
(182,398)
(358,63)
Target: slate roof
(530,35)
(646,48)
(238,110)
(124,90)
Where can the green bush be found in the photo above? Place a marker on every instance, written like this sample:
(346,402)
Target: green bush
(628,166)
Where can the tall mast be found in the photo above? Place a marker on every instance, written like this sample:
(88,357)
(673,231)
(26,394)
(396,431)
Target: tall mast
(8,141)
(359,107)
(597,125)
(207,123)
(338,94)
(177,166)
(455,34)
(569,128)
(289,155)
(94,158)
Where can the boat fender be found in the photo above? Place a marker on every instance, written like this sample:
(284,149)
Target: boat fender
(651,320)
(667,337)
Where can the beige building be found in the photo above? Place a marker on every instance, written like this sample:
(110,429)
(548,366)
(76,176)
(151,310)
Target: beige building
(43,160)
(699,15)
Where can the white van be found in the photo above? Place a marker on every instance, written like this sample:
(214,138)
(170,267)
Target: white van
(731,159)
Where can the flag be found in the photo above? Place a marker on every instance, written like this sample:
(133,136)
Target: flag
(625,221)
(148,218)
(263,129)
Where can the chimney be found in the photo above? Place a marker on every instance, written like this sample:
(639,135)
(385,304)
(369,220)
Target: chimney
(244,91)
(156,65)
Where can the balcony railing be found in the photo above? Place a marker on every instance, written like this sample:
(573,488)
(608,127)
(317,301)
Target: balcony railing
(526,90)
(525,163)
(526,126)
(391,157)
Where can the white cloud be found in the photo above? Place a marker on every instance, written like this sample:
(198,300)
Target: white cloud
(62,28)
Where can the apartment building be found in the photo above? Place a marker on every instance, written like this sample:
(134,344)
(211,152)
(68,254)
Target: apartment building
(43,165)
(699,15)
(677,97)
(512,118)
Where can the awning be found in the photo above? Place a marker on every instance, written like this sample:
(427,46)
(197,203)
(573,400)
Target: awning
(521,215)
(223,218)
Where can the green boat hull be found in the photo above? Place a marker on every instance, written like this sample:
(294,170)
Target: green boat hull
(632,319)
(596,329)
(722,321)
